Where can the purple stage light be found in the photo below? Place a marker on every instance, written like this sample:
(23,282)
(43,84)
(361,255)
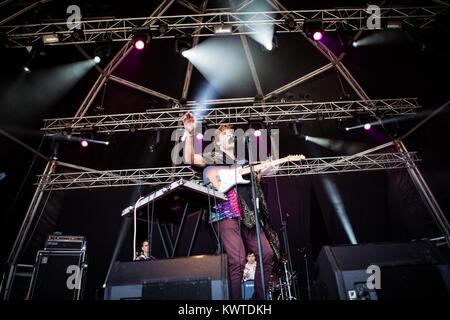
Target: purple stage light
(199,136)
(317,36)
(257,133)
(367,126)
(139,44)
(84,143)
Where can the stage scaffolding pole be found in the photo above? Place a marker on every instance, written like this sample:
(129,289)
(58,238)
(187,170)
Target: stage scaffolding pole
(27,222)
(427,196)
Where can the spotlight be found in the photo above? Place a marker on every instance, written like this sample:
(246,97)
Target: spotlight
(257,133)
(139,44)
(26,69)
(367,126)
(223,28)
(182,45)
(394,24)
(271,43)
(313,29)
(317,35)
(78,35)
(297,128)
(290,24)
(199,136)
(102,50)
(141,37)
(84,143)
(50,38)
(163,28)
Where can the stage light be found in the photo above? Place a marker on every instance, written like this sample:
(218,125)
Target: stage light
(257,133)
(185,53)
(84,143)
(141,37)
(182,46)
(199,136)
(78,35)
(50,38)
(313,29)
(223,29)
(26,69)
(394,25)
(367,126)
(290,23)
(97,59)
(139,44)
(317,35)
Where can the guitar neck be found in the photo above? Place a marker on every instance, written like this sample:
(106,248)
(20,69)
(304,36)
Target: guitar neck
(261,166)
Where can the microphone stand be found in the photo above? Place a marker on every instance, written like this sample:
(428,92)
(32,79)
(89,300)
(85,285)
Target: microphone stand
(256,211)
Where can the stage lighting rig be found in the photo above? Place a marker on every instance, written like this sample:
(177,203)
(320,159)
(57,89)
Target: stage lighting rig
(78,35)
(313,29)
(183,44)
(141,37)
(290,23)
(223,28)
(50,38)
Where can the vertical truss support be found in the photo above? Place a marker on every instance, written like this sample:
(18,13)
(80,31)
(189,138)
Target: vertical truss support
(414,172)
(190,66)
(115,61)
(427,196)
(16,250)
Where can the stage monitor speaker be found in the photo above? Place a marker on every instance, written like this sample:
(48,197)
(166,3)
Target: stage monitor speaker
(202,277)
(416,270)
(58,275)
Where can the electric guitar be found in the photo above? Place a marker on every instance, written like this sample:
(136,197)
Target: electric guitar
(226,177)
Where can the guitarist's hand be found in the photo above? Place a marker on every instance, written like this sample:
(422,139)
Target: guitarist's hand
(189,122)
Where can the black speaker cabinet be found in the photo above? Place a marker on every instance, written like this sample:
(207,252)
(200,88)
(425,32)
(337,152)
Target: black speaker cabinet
(58,275)
(415,270)
(202,277)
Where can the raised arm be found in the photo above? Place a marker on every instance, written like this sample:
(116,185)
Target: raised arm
(189,152)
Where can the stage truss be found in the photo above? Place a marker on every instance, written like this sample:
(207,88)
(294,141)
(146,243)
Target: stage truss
(202,24)
(234,115)
(165,175)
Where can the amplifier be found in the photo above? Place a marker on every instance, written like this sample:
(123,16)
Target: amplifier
(415,270)
(59,242)
(58,275)
(202,277)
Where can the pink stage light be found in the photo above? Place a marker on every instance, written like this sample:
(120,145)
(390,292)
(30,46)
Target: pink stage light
(199,136)
(84,143)
(257,133)
(317,35)
(139,44)
(367,126)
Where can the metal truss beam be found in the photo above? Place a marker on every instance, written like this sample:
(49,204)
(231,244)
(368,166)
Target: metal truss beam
(164,175)
(121,29)
(268,113)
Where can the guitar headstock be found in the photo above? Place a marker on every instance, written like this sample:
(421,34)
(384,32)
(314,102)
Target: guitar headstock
(296,157)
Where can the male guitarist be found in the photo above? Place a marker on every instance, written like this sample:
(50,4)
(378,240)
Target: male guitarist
(234,219)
